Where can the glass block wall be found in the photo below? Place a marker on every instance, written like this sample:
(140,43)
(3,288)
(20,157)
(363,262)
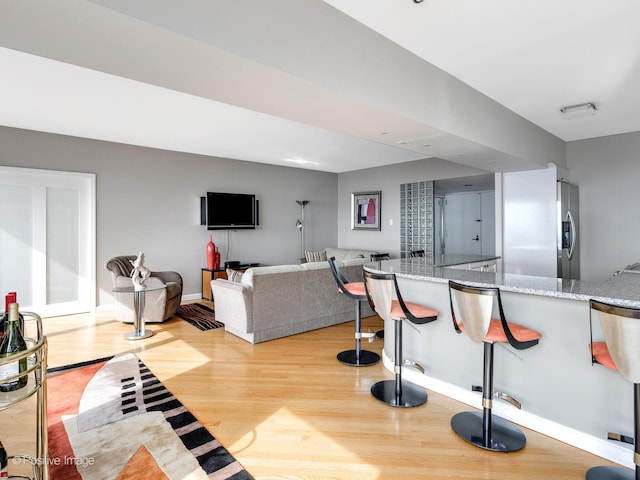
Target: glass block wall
(416,217)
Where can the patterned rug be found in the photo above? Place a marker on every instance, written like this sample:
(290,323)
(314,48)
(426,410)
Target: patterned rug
(199,316)
(112,419)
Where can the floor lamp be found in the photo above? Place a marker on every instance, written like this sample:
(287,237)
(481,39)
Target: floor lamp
(300,225)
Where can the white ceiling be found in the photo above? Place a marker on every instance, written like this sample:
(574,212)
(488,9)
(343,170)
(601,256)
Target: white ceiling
(217,77)
(532,57)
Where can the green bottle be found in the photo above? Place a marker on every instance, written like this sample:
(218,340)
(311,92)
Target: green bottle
(12,343)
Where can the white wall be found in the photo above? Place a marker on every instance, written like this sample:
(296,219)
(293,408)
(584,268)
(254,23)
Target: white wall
(387,180)
(150,200)
(607,171)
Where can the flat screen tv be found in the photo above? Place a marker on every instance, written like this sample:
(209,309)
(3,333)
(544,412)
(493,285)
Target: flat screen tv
(231,211)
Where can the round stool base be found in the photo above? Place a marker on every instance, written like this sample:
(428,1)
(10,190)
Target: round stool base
(136,335)
(610,473)
(505,436)
(367,358)
(412,395)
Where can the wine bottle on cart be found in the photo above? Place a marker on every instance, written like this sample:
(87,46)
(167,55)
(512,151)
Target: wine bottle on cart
(12,343)
(4,463)
(11,297)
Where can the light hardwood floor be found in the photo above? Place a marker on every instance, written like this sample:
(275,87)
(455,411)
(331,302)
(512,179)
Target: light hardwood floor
(287,409)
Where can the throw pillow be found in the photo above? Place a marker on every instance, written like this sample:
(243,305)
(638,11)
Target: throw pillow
(234,275)
(316,256)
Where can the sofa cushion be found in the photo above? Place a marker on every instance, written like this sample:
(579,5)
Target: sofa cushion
(249,274)
(342,254)
(234,275)
(320,256)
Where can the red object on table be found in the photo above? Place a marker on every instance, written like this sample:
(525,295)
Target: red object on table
(211,254)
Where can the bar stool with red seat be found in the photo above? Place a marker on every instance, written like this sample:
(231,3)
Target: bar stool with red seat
(471,310)
(355,290)
(380,288)
(619,351)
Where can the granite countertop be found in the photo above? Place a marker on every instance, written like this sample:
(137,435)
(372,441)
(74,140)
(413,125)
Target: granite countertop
(622,289)
(457,259)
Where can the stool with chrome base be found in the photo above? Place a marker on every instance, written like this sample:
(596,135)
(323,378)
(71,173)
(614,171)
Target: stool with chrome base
(380,288)
(471,309)
(619,351)
(356,291)
(376,257)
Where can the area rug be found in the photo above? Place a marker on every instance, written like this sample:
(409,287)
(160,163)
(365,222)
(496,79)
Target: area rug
(112,419)
(199,316)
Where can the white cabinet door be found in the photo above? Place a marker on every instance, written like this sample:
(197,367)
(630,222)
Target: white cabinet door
(488,266)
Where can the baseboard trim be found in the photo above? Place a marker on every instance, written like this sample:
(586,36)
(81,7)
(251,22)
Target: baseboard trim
(608,450)
(110,307)
(192,296)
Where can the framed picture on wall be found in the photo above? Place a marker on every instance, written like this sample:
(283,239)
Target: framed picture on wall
(365,211)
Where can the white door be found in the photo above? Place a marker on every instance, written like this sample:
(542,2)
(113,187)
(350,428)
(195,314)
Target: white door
(47,240)
(463,223)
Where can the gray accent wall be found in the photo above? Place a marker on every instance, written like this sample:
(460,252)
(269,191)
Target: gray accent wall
(149,200)
(607,171)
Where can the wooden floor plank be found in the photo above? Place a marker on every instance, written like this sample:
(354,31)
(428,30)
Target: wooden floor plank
(287,409)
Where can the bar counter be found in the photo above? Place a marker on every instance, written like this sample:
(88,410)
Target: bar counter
(623,289)
(563,395)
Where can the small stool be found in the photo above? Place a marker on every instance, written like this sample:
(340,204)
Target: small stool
(473,307)
(416,253)
(354,290)
(619,351)
(380,288)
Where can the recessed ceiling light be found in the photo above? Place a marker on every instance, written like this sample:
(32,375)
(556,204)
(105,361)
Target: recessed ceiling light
(581,110)
(300,161)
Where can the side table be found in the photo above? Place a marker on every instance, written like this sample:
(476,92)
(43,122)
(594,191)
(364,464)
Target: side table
(139,331)
(208,275)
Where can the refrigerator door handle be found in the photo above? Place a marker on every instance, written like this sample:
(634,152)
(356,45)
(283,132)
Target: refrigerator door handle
(574,235)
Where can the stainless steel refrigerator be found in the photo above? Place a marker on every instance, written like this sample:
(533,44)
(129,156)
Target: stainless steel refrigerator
(540,224)
(567,245)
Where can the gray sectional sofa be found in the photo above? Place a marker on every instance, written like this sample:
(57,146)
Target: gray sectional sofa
(277,301)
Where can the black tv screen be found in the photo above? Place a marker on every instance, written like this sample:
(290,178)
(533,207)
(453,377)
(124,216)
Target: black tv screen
(230,211)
